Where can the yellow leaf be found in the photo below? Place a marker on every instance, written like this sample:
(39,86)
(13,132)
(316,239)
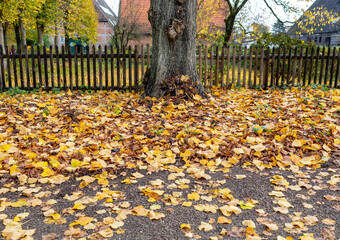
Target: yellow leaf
(185,226)
(187,153)
(78,206)
(82,221)
(194,196)
(47,172)
(224,220)
(5,147)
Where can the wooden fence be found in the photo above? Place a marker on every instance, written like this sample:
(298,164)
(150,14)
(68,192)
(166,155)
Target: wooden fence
(109,68)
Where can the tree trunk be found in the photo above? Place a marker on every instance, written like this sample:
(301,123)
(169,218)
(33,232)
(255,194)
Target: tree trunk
(67,40)
(22,32)
(2,42)
(5,27)
(173,43)
(17,35)
(56,38)
(229,26)
(40,29)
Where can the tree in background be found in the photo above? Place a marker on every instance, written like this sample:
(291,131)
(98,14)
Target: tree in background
(128,27)
(79,20)
(47,19)
(278,28)
(210,14)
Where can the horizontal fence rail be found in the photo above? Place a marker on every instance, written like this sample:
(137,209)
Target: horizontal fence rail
(110,68)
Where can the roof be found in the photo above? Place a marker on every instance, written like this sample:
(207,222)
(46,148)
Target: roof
(105,13)
(328,5)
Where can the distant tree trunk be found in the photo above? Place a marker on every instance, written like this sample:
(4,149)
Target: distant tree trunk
(67,39)
(22,32)
(56,38)
(17,35)
(229,26)
(40,29)
(5,27)
(173,43)
(2,41)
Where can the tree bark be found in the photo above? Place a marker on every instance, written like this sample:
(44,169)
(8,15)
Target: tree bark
(67,39)
(40,29)
(17,35)
(22,32)
(173,43)
(5,27)
(2,41)
(229,26)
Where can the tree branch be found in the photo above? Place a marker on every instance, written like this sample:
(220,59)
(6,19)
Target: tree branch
(275,15)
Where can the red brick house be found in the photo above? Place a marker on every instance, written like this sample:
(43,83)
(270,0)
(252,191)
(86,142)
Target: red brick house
(141,8)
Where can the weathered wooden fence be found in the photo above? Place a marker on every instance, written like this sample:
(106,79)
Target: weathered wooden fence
(110,68)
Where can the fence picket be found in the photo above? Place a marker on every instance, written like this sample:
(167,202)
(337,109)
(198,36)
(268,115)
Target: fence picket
(2,69)
(311,66)
(58,66)
(70,66)
(283,66)
(130,69)
(205,66)
(250,66)
(100,67)
(82,67)
(337,71)
(272,74)
(294,65)
(289,65)
(211,66)
(222,66)
(321,65)
(300,67)
(14,61)
(8,68)
(64,67)
(200,63)
(52,67)
(142,61)
(88,67)
(261,67)
(239,66)
(234,63)
(94,68)
(305,67)
(118,67)
(332,68)
(316,65)
(228,68)
(216,67)
(327,65)
(112,68)
(136,83)
(148,55)
(255,67)
(245,66)
(21,69)
(106,69)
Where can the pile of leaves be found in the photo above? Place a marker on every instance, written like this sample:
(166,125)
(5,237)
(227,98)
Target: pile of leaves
(180,87)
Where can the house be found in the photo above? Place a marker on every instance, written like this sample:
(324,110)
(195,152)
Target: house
(325,31)
(138,10)
(106,21)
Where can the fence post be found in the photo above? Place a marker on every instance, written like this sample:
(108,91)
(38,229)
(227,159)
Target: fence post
(94,68)
(64,66)
(100,66)
(216,67)
(58,67)
(21,69)
(52,66)
(136,84)
(332,67)
(266,69)
(245,66)
(2,76)
(222,66)
(70,66)
(106,69)
(112,68)
(14,66)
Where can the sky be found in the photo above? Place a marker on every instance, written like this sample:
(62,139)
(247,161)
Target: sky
(259,5)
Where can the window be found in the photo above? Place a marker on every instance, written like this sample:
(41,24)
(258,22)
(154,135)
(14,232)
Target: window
(62,39)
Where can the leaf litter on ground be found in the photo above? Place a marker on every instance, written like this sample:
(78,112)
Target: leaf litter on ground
(90,163)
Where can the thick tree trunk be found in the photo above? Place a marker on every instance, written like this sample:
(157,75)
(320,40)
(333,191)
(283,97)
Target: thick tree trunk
(67,39)
(40,29)
(229,26)
(173,43)
(22,32)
